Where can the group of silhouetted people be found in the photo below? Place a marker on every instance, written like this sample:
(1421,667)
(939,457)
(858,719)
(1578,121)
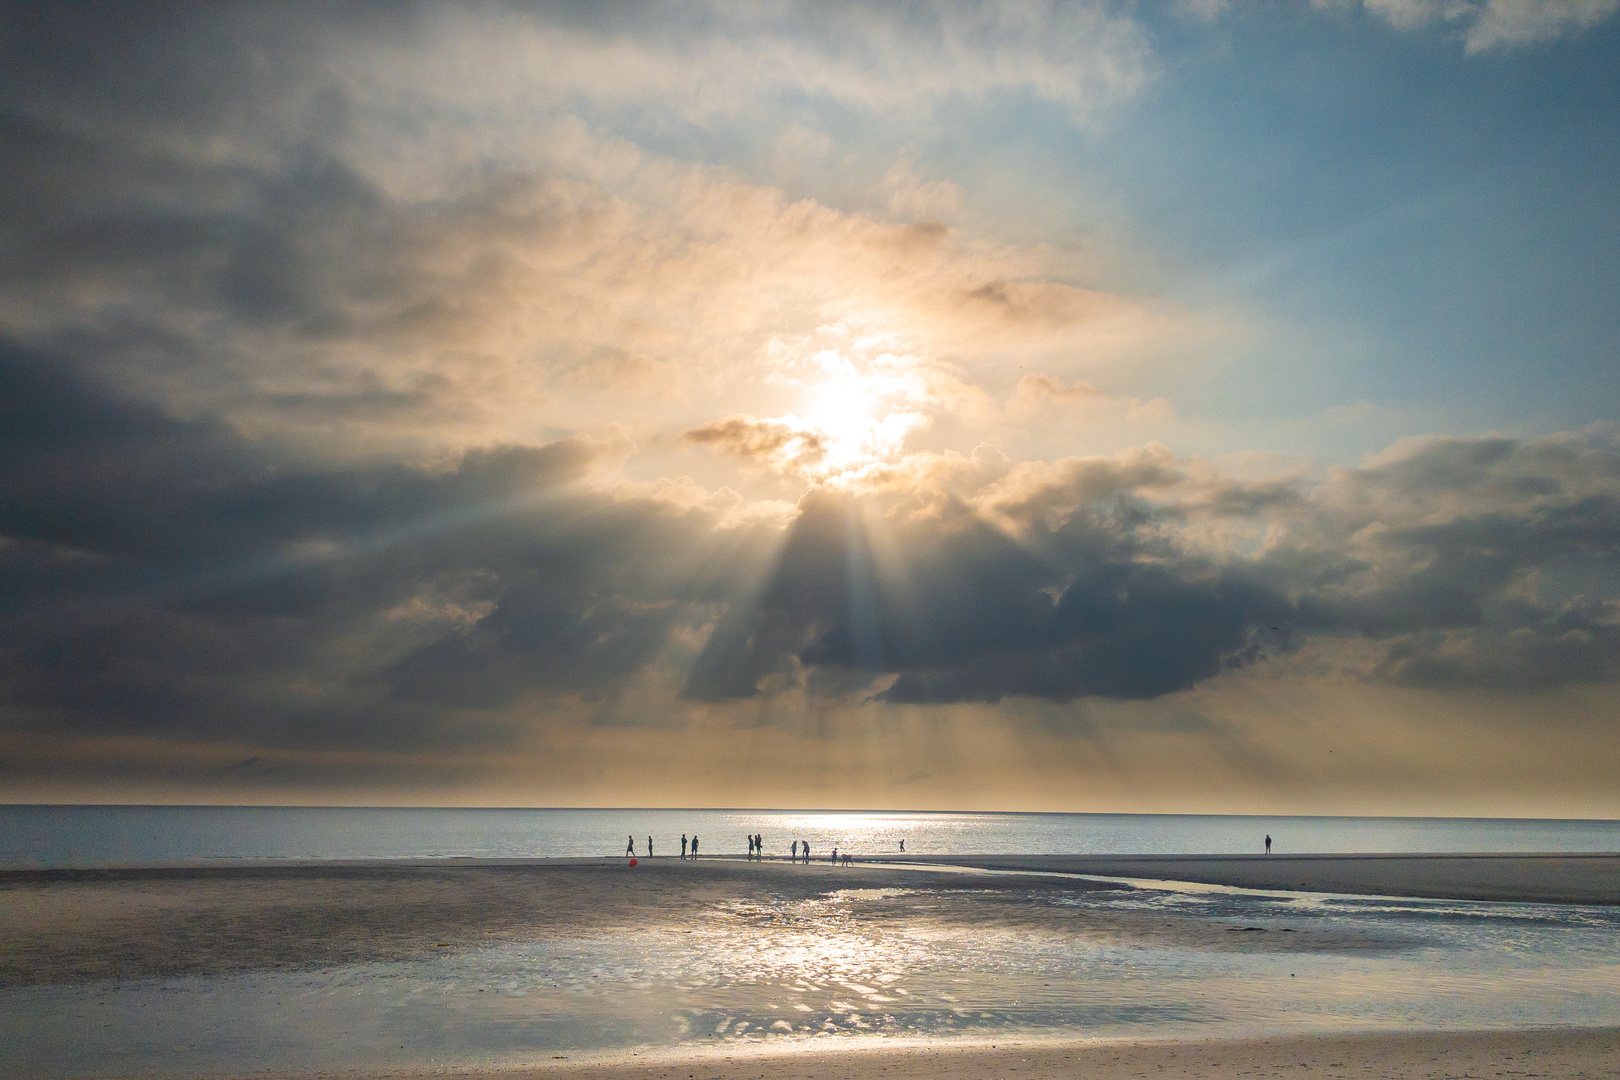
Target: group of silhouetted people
(801,850)
(756,849)
(630,846)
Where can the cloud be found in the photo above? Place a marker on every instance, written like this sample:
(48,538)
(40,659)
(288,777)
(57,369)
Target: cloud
(1044,495)
(1036,392)
(719,58)
(775,444)
(1098,577)
(699,59)
(910,196)
(1507,24)
(1409,14)
(167,576)
(1043,401)
(1493,24)
(961,611)
(300,296)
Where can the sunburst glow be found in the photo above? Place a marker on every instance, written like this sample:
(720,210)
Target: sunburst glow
(842,410)
(860,415)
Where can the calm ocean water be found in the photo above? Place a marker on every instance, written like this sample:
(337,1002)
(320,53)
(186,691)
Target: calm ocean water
(55,836)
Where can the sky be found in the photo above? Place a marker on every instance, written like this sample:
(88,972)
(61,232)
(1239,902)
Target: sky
(1140,407)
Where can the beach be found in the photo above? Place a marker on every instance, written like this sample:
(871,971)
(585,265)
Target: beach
(1551,1055)
(592,968)
(77,925)
(1531,877)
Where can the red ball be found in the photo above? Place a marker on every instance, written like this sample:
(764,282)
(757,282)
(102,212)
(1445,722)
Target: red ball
(634,862)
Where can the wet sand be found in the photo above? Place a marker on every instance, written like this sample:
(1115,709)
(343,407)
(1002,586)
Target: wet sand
(1533,878)
(61,927)
(1552,1055)
(78,927)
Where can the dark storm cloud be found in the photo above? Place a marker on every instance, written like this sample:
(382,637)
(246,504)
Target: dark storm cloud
(138,137)
(1485,562)
(128,249)
(1493,583)
(963,588)
(971,615)
(166,576)
(1102,596)
(86,471)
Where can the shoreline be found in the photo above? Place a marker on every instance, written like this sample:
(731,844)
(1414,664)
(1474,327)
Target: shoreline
(1580,878)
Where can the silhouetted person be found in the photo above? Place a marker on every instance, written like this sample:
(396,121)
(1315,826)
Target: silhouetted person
(750,847)
(630,848)
(649,847)
(694,845)
(902,845)
(795,851)
(834,856)
(759,845)
(683,845)
(1268,843)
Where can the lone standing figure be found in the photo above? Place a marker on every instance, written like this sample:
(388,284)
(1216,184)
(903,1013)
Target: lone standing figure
(630,848)
(683,845)
(1268,843)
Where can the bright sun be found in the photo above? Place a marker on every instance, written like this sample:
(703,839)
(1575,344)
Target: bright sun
(857,423)
(855,415)
(841,410)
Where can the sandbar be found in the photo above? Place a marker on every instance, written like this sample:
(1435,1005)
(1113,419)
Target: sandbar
(1576,878)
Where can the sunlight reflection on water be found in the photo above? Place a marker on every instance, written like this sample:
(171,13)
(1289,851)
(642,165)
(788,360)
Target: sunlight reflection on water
(898,963)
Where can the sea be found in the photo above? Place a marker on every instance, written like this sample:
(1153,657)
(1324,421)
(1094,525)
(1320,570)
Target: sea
(103,836)
(937,959)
